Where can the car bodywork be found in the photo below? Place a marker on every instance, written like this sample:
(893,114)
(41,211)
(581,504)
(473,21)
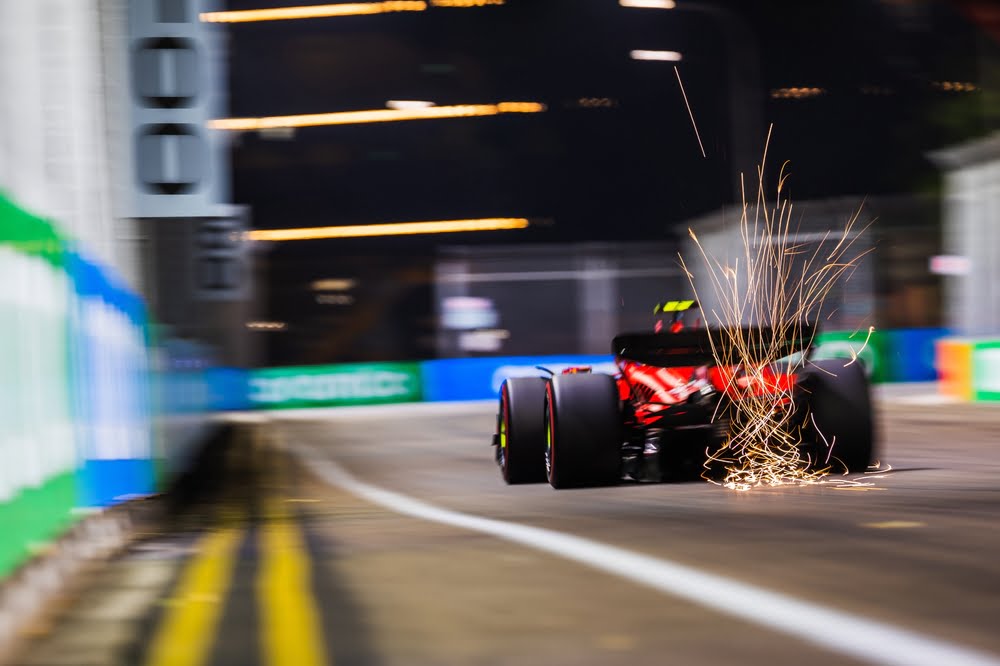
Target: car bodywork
(677,404)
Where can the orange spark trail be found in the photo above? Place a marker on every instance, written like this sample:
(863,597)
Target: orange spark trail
(776,282)
(690,114)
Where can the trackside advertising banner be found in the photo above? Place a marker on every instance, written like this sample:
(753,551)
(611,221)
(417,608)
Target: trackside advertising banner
(480,378)
(334,385)
(969,368)
(869,350)
(895,355)
(954,364)
(228,389)
(909,353)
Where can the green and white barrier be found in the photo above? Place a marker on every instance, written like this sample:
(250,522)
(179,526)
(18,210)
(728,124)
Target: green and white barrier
(75,410)
(37,446)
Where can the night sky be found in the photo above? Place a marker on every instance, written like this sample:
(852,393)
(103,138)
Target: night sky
(615,156)
(629,170)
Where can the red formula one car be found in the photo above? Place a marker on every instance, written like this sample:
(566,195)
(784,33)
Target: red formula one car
(672,405)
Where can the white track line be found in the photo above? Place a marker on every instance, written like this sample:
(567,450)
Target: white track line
(850,635)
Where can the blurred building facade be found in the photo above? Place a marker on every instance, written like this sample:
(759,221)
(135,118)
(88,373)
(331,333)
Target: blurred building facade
(556,298)
(550,299)
(62,149)
(971,236)
(893,239)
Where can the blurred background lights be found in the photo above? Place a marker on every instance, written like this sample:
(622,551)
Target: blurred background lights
(796,93)
(468,313)
(667,56)
(487,340)
(375,116)
(466,3)
(266,325)
(389,229)
(520,107)
(648,4)
(314,11)
(955,86)
(334,284)
(407,104)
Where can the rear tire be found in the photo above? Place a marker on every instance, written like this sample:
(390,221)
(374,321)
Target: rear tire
(840,415)
(584,431)
(521,426)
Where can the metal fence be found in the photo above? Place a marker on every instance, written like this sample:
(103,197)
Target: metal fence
(972,235)
(892,239)
(550,299)
(555,299)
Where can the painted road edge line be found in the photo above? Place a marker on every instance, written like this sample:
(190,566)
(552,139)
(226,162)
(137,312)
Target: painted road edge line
(185,634)
(855,636)
(292,634)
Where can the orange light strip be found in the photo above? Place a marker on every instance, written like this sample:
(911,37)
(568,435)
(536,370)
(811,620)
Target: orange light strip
(375,116)
(465,3)
(649,4)
(314,11)
(796,93)
(390,229)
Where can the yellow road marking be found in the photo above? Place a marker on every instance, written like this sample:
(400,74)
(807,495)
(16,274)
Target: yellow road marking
(185,635)
(894,524)
(292,634)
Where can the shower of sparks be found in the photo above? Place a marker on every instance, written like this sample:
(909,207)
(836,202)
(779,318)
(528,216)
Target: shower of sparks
(781,283)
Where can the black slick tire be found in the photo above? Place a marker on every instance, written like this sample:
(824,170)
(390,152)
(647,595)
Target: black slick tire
(839,417)
(521,426)
(583,431)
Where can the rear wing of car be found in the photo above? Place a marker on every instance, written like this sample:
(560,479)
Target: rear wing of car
(731,345)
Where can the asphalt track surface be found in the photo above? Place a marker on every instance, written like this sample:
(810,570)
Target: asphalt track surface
(387,536)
